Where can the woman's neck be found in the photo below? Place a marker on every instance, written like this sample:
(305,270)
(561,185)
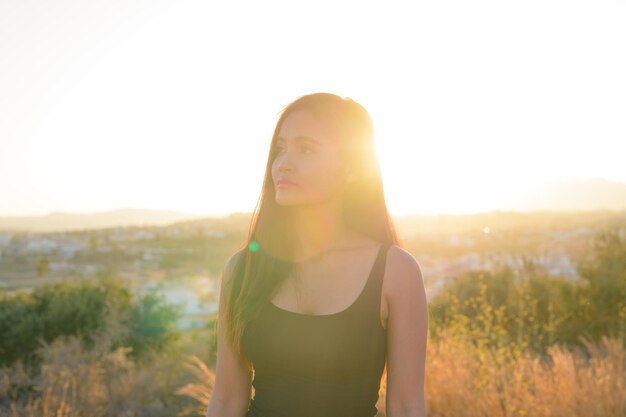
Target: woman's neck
(317,230)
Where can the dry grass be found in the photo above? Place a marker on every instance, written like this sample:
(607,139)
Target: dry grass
(467,380)
(463,380)
(470,372)
(200,390)
(99,382)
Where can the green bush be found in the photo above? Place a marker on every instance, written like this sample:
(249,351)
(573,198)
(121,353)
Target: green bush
(605,273)
(83,309)
(535,311)
(152,323)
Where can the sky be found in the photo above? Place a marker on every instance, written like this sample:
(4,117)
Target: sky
(171,104)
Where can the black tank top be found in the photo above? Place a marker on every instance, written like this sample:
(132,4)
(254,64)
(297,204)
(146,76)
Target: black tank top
(319,365)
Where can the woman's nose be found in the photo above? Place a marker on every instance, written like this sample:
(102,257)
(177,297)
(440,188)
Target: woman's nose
(285,163)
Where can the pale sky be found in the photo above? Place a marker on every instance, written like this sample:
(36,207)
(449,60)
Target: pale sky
(171,105)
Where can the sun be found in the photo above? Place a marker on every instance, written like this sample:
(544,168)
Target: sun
(425,174)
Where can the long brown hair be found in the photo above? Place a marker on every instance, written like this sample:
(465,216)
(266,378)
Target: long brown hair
(263,261)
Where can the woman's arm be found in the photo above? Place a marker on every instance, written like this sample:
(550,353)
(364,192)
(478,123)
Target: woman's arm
(407,330)
(232,390)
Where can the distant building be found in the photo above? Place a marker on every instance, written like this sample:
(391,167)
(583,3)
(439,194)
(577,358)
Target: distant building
(194,310)
(5,239)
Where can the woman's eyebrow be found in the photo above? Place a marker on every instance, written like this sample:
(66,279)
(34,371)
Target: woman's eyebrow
(301,139)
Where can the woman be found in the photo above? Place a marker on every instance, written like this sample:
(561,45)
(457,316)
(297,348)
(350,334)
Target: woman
(321,301)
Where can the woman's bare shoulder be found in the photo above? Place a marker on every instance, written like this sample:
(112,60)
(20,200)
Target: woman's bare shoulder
(231,263)
(402,272)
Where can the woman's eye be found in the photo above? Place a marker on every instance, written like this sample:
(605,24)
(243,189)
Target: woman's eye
(305,149)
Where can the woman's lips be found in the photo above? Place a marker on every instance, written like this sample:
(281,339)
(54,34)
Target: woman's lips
(284,184)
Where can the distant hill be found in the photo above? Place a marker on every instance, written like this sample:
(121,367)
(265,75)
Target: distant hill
(546,203)
(576,194)
(62,221)
(498,220)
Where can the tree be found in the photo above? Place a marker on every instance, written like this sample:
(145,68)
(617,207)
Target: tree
(605,272)
(43,266)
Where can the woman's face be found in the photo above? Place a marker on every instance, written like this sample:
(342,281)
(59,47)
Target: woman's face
(307,155)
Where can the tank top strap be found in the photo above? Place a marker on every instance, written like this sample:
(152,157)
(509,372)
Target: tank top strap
(373,292)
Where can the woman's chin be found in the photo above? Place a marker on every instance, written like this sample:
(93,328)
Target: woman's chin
(287,202)
(291,200)
(287,198)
